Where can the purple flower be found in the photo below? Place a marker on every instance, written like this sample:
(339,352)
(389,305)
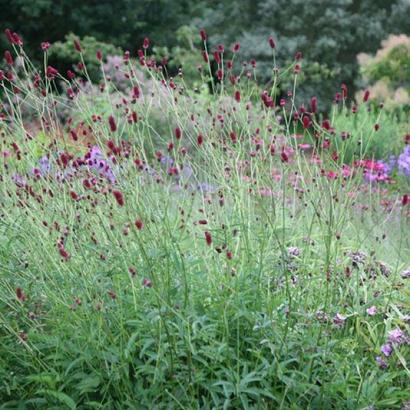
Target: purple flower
(293,251)
(97,162)
(403,162)
(339,320)
(19,180)
(405,274)
(382,363)
(372,310)
(206,188)
(396,336)
(167,161)
(386,349)
(45,165)
(379,173)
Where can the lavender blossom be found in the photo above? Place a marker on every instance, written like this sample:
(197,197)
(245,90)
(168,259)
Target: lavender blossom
(381,362)
(396,336)
(403,162)
(386,349)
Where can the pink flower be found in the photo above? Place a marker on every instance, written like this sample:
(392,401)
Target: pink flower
(396,336)
(45,45)
(371,311)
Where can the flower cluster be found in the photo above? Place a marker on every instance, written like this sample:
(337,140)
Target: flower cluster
(396,337)
(403,162)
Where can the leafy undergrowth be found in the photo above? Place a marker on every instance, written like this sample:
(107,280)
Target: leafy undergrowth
(164,248)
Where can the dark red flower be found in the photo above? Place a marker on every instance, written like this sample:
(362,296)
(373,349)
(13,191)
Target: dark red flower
(77,45)
(344,91)
(306,122)
(20,295)
(366,95)
(313,105)
(203,35)
(272,43)
(45,45)
(178,133)
(145,44)
(119,197)
(51,72)
(136,92)
(208,238)
(139,224)
(8,57)
(237,96)
(283,156)
(113,125)
(63,253)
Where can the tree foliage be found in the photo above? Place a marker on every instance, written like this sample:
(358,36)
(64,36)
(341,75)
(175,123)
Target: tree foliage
(329,33)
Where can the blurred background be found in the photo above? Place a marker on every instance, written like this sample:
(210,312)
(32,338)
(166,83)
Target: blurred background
(362,43)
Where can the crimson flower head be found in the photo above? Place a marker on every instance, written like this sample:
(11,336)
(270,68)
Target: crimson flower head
(63,253)
(9,35)
(45,45)
(208,238)
(112,123)
(145,44)
(203,34)
(313,105)
(70,75)
(20,295)
(99,55)
(344,91)
(51,72)
(178,133)
(119,197)
(237,96)
(13,38)
(236,47)
(306,122)
(272,43)
(135,92)
(77,45)
(139,224)
(8,57)
(366,95)
(283,156)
